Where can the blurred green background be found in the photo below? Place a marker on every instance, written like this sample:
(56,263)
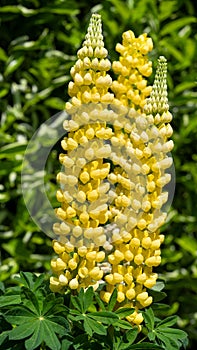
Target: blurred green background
(39,40)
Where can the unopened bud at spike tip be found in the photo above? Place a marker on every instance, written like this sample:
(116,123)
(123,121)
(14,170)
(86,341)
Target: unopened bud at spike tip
(158,101)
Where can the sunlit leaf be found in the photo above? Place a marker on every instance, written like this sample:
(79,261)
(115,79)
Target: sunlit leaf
(13,64)
(185,86)
(13,149)
(189,244)
(55,102)
(177,24)
(166,9)
(3,56)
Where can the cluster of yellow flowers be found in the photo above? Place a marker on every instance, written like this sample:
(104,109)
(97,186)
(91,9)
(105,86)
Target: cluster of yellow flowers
(132,68)
(113,178)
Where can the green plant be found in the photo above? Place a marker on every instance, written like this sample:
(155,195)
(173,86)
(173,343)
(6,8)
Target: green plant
(32,317)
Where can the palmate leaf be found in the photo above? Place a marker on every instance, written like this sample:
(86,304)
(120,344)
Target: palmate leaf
(100,302)
(92,322)
(26,279)
(6,300)
(59,324)
(19,314)
(53,305)
(66,343)
(174,337)
(176,333)
(161,309)
(76,318)
(38,281)
(145,345)
(76,303)
(167,322)
(160,332)
(113,300)
(13,290)
(149,318)
(128,338)
(87,327)
(131,335)
(3,337)
(30,300)
(22,331)
(37,327)
(37,336)
(41,330)
(84,300)
(92,326)
(44,332)
(74,312)
(105,317)
(124,312)
(88,298)
(168,338)
(123,324)
(168,343)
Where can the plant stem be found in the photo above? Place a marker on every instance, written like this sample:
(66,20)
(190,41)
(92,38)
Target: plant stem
(141,340)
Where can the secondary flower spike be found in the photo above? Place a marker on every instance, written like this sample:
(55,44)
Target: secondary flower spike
(114,172)
(133,68)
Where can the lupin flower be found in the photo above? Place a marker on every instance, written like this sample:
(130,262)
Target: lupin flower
(115,161)
(133,68)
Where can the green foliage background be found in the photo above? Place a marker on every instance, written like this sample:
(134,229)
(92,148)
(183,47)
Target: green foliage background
(39,40)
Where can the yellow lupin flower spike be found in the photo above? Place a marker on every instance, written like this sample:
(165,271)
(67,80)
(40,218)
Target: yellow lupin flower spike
(90,80)
(80,233)
(158,101)
(115,161)
(132,69)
